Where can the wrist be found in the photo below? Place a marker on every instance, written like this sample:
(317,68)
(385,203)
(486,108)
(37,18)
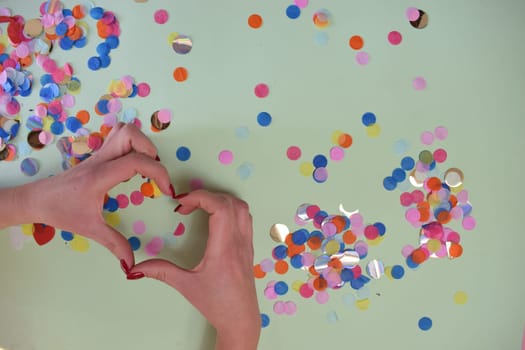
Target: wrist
(23,203)
(237,338)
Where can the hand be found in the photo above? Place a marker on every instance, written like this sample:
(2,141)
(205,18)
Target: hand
(73,200)
(222,286)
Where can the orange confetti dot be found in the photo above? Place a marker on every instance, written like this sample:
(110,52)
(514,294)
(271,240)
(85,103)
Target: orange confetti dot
(78,12)
(295,249)
(320,284)
(349,237)
(313,271)
(434,184)
(345,140)
(339,223)
(356,42)
(281,267)
(180,74)
(314,243)
(419,256)
(258,272)
(147,189)
(105,130)
(455,250)
(26,61)
(453,200)
(336,264)
(255,21)
(83,116)
(444,217)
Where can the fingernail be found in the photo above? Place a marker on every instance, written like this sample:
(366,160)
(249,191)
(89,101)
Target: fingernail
(135,275)
(157,158)
(180,196)
(124,266)
(177,208)
(172,191)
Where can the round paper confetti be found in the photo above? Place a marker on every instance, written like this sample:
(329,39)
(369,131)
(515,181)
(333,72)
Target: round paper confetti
(161,16)
(427,138)
(293,11)
(293,153)
(226,157)
(362,58)
(29,166)
(356,42)
(460,298)
(139,227)
(255,21)
(301,3)
(441,133)
(245,170)
(261,90)
(180,74)
(412,14)
(183,153)
(395,37)
(425,323)
(419,83)
(337,153)
(373,130)
(264,119)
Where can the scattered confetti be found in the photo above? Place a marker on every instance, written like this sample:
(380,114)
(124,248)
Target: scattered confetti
(460,298)
(180,74)
(161,16)
(255,21)
(425,323)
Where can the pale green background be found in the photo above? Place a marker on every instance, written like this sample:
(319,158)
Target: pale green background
(471,55)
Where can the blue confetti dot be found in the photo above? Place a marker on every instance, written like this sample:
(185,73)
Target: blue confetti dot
(425,323)
(264,119)
(103,49)
(320,161)
(401,147)
(380,227)
(300,236)
(134,242)
(293,11)
(111,205)
(321,38)
(29,166)
(67,236)
(67,12)
(296,261)
(183,153)
(94,63)
(408,163)
(105,61)
(265,320)
(80,43)
(281,288)
(280,252)
(410,263)
(368,119)
(134,91)
(399,175)
(113,41)
(96,12)
(242,132)
(57,128)
(356,284)
(61,29)
(389,183)
(347,275)
(102,106)
(245,170)
(73,124)
(397,272)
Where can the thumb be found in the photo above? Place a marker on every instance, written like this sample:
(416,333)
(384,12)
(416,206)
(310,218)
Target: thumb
(164,271)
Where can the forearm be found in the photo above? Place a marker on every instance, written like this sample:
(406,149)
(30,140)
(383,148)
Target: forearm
(15,206)
(237,339)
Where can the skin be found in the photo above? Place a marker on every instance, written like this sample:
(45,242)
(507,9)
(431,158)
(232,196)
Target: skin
(221,287)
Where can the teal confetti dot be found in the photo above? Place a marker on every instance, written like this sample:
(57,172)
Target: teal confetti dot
(245,170)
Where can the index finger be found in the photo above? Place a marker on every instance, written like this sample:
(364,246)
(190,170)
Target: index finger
(210,202)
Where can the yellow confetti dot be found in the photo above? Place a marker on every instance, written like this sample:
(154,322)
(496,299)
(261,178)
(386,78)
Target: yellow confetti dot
(46,123)
(373,130)
(28,229)
(296,285)
(171,37)
(362,304)
(460,298)
(335,137)
(80,244)
(376,241)
(433,245)
(332,247)
(306,169)
(156,189)
(112,219)
(457,189)
(388,272)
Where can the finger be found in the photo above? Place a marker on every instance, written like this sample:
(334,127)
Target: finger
(113,172)
(165,271)
(210,202)
(115,242)
(124,139)
(244,218)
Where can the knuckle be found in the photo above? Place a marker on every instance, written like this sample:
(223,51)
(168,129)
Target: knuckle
(161,275)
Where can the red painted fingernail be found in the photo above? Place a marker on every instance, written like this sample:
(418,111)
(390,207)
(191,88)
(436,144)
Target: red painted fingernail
(124,266)
(135,275)
(180,196)
(177,208)
(172,191)
(157,158)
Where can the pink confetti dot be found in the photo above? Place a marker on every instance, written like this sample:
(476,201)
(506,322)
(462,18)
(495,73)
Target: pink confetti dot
(261,90)
(49,66)
(136,198)
(407,250)
(164,115)
(161,16)
(143,89)
(179,230)
(41,111)
(469,223)
(306,291)
(427,138)
(357,220)
(139,227)
(406,199)
(267,265)
(395,37)
(322,297)
(226,157)
(453,237)
(122,201)
(337,153)
(462,196)
(419,83)
(293,153)
(441,133)
(114,105)
(269,293)
(308,259)
(154,246)
(290,308)
(45,137)
(12,107)
(68,101)
(418,196)
(456,213)
(362,58)
(412,215)
(440,155)
(279,308)
(301,3)
(412,14)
